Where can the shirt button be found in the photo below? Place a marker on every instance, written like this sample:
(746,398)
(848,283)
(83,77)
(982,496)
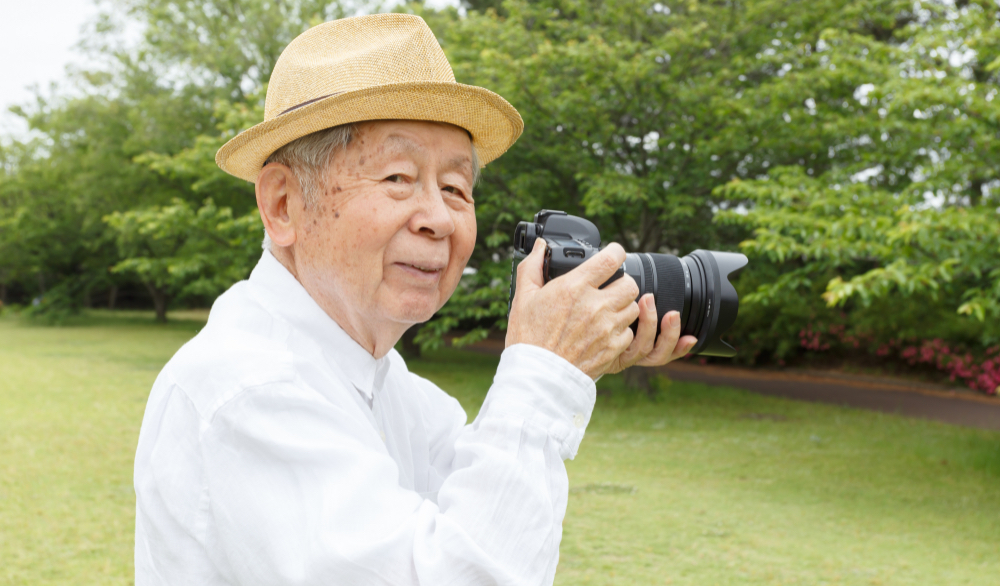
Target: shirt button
(579,420)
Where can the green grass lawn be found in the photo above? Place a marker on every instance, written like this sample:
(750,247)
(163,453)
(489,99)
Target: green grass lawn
(704,486)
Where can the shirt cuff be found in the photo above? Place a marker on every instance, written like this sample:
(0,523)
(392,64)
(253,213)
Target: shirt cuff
(542,387)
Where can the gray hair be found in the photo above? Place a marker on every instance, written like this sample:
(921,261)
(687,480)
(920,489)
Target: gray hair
(309,156)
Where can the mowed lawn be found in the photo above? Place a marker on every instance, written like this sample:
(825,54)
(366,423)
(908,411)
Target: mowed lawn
(704,486)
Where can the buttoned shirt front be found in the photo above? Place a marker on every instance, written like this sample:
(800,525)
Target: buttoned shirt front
(276,450)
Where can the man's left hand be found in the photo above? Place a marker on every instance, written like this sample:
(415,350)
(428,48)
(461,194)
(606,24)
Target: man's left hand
(646,348)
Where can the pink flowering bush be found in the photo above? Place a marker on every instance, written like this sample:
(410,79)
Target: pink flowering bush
(916,334)
(980,371)
(820,338)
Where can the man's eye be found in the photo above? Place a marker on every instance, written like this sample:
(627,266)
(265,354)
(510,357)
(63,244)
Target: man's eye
(452,189)
(394,178)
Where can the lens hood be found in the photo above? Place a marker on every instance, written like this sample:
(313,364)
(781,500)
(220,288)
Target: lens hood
(712,272)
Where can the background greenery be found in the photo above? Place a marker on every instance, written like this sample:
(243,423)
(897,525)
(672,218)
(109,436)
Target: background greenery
(849,147)
(706,485)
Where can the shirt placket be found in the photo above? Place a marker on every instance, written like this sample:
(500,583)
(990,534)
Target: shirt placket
(378,385)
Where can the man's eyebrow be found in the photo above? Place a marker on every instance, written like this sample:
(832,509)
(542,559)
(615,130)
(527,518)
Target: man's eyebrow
(403,143)
(463,162)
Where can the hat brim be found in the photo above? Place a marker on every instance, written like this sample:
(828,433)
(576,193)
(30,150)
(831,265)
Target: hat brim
(493,123)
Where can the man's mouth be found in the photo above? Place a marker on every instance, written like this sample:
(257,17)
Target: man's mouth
(428,269)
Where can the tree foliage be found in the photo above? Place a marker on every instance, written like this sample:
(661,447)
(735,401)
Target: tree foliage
(176,250)
(907,212)
(848,146)
(660,119)
(136,132)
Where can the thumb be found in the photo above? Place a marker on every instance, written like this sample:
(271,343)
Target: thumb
(597,269)
(529,271)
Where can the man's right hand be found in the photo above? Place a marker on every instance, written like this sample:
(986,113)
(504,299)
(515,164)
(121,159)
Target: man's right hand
(571,316)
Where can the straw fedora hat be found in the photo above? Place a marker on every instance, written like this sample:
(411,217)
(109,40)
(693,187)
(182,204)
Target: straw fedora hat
(377,67)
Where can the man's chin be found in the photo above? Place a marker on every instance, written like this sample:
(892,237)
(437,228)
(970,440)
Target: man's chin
(415,309)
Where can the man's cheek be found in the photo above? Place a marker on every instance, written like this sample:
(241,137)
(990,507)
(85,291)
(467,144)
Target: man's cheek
(468,244)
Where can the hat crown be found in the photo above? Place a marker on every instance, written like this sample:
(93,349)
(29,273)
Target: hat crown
(353,54)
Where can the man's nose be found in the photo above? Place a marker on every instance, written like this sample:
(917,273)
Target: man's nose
(432,217)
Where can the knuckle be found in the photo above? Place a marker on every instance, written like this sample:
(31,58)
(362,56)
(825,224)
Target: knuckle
(626,338)
(622,289)
(608,322)
(632,287)
(568,291)
(606,262)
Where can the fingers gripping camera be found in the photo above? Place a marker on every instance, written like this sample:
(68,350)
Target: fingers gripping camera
(697,286)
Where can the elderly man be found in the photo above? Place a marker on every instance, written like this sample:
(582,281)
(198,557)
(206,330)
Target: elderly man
(287,443)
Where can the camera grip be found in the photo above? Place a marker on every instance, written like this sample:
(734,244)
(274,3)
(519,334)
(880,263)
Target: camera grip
(563,257)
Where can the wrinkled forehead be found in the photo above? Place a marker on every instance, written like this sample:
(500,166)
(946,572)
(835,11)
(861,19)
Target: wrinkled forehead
(418,138)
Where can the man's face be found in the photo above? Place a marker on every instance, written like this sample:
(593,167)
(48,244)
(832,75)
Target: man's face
(387,242)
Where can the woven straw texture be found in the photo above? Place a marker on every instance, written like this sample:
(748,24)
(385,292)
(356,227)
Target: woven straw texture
(377,67)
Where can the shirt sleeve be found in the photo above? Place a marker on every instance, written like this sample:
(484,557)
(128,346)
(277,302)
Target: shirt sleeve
(443,420)
(302,491)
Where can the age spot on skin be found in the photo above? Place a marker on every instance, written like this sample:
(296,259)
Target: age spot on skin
(336,214)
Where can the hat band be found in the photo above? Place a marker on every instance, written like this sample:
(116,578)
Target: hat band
(307,102)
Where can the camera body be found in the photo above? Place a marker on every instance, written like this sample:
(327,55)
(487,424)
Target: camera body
(570,241)
(696,286)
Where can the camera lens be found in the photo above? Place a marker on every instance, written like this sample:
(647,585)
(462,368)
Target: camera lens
(697,287)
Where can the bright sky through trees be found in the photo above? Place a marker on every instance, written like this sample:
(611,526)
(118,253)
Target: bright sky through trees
(37,42)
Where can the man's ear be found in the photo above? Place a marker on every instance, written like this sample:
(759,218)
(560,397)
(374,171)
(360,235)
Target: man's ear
(277,190)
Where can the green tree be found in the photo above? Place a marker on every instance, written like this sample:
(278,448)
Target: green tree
(850,145)
(652,118)
(223,45)
(904,219)
(176,250)
(635,113)
(79,170)
(125,135)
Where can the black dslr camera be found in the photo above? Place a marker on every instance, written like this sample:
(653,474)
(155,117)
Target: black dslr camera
(696,286)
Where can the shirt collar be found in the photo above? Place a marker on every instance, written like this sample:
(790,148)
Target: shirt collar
(285,298)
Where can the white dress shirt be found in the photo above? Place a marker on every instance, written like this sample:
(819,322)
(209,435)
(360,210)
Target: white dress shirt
(275,451)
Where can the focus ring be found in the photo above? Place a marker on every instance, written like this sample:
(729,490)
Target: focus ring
(669,284)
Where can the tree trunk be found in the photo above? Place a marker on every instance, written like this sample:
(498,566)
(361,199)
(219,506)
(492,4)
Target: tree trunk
(112,296)
(638,378)
(3,293)
(410,348)
(159,302)
(87,301)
